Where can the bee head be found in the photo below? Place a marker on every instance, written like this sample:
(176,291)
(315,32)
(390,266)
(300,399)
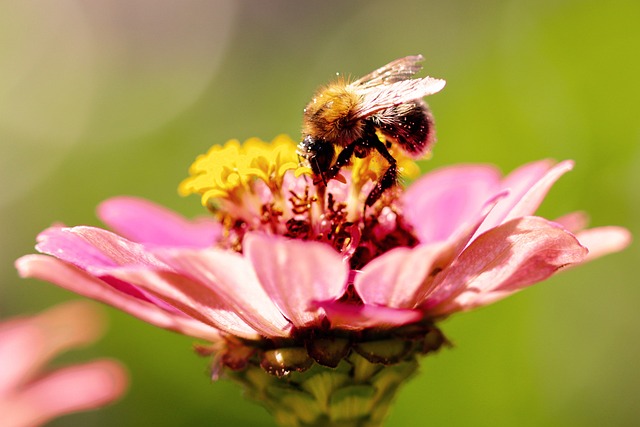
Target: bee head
(318,152)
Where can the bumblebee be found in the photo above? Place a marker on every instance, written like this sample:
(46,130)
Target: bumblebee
(347,116)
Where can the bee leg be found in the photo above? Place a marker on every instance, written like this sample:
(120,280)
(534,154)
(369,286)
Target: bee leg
(343,159)
(323,175)
(390,176)
(388,180)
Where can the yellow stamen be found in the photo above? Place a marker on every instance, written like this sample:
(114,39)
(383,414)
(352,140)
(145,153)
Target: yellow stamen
(230,170)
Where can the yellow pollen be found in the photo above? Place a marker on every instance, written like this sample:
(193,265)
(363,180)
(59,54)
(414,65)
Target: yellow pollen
(408,167)
(229,170)
(372,167)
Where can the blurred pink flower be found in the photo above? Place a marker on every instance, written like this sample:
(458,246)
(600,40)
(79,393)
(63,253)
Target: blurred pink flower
(31,397)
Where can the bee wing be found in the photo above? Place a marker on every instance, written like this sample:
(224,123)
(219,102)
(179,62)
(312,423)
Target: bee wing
(382,97)
(395,71)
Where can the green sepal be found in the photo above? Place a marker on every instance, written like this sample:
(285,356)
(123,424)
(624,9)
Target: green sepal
(386,352)
(328,351)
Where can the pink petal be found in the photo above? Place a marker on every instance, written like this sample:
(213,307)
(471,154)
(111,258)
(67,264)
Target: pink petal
(72,389)
(528,186)
(401,277)
(145,222)
(532,199)
(231,276)
(97,251)
(574,221)
(295,273)
(92,248)
(192,298)
(63,243)
(438,203)
(76,280)
(604,240)
(504,259)
(466,231)
(358,317)
(393,279)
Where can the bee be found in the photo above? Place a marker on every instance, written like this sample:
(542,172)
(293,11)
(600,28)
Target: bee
(348,116)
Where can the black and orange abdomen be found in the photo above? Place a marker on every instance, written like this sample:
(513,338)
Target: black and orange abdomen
(409,125)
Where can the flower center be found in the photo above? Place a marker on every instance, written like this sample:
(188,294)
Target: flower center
(260,186)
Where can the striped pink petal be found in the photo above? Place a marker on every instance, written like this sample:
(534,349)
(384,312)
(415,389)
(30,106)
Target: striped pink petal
(401,277)
(527,187)
(295,273)
(190,297)
(64,243)
(94,249)
(395,278)
(439,203)
(98,251)
(232,278)
(504,259)
(76,280)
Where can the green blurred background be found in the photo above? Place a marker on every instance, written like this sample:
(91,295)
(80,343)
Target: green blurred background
(104,98)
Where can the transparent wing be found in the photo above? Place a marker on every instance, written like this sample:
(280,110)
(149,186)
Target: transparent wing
(398,70)
(379,98)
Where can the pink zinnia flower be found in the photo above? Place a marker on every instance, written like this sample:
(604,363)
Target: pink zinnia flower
(30,397)
(289,276)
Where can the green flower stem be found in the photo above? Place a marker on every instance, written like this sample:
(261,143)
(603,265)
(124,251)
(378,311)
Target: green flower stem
(357,393)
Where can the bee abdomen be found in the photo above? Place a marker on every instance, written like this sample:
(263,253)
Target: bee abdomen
(409,125)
